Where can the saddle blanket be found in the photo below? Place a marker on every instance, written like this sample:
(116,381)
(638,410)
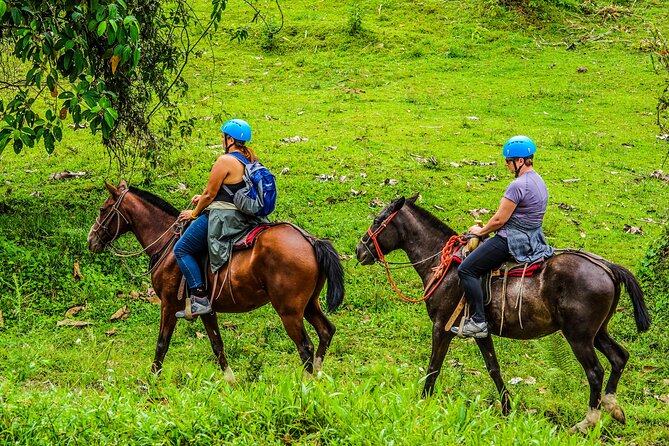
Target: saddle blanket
(515,271)
(248,240)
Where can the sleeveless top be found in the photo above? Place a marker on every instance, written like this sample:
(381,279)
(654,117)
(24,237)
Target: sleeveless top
(224,195)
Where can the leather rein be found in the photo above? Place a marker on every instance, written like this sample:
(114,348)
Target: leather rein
(453,244)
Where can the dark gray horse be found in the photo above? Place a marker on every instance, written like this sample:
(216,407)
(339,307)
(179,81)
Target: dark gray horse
(574,293)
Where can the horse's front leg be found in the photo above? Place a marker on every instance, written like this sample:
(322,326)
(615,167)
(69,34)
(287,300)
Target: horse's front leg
(488,351)
(210,322)
(441,339)
(167,323)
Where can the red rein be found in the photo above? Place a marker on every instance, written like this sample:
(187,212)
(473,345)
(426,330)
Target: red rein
(451,246)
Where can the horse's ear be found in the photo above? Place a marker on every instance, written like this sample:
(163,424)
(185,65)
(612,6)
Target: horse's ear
(398,203)
(413,199)
(112,190)
(123,185)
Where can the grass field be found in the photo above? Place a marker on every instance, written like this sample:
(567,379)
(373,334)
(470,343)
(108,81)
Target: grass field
(375,89)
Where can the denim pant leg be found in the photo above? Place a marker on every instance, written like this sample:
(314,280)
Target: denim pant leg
(189,247)
(488,256)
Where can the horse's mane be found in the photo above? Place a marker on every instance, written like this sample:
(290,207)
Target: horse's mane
(155,200)
(430,219)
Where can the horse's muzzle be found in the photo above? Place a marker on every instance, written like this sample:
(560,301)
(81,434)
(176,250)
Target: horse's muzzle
(364,256)
(94,243)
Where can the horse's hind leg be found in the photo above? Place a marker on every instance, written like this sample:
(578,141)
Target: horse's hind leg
(167,323)
(293,322)
(210,322)
(618,357)
(325,329)
(582,346)
(488,351)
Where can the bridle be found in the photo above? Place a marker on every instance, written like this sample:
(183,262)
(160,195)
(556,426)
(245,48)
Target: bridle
(104,225)
(439,272)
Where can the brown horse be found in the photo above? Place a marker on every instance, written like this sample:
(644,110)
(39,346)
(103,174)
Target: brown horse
(574,293)
(286,267)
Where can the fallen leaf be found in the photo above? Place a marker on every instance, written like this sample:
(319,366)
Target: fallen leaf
(284,171)
(2,320)
(229,324)
(566,207)
(111,332)
(63,113)
(633,229)
(72,311)
(73,323)
(346,256)
(357,192)
(66,174)
(582,232)
(122,314)
(134,294)
(377,202)
(478,212)
(473,372)
(294,139)
(389,181)
(454,164)
(438,207)
(77,271)
(200,335)
(514,381)
(324,177)
(531,380)
(571,180)
(54,92)
(270,118)
(650,368)
(153,299)
(581,70)
(473,118)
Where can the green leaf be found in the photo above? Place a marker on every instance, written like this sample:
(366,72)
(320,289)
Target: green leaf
(113,113)
(3,9)
(49,143)
(3,143)
(109,120)
(134,31)
(16,18)
(135,57)
(102,27)
(57,133)
(18,145)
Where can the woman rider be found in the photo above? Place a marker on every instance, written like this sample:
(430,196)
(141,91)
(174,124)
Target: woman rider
(217,222)
(517,224)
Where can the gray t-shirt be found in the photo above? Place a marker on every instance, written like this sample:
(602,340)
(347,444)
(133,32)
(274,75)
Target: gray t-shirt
(530,194)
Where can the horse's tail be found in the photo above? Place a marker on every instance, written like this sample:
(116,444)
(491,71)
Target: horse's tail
(328,259)
(624,276)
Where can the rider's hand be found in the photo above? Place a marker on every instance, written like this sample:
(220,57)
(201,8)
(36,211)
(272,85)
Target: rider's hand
(476,231)
(195,200)
(186,215)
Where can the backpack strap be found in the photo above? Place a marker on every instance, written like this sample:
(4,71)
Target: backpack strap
(240,157)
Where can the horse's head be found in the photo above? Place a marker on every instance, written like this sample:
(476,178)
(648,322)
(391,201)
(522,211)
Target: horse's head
(382,236)
(111,222)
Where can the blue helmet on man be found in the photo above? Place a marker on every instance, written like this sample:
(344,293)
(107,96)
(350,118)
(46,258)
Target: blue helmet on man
(237,129)
(519,147)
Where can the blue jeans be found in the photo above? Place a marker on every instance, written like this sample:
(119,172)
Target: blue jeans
(189,247)
(488,256)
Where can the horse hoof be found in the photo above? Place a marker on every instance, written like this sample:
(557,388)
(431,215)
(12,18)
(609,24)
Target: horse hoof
(591,419)
(318,364)
(229,376)
(610,405)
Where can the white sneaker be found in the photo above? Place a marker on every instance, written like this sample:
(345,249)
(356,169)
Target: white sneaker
(471,329)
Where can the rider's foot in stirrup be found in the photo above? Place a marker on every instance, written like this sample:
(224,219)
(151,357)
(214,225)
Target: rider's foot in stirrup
(472,329)
(199,306)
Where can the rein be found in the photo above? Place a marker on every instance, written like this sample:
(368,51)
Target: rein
(440,270)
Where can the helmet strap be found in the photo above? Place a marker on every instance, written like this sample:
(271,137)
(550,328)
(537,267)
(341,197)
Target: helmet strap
(227,146)
(517,168)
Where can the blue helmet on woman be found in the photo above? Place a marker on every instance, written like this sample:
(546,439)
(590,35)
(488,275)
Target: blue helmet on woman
(519,147)
(237,129)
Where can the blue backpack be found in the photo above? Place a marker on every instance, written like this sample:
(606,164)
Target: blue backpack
(258,196)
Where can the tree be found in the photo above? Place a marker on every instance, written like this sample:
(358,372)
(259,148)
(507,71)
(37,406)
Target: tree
(106,64)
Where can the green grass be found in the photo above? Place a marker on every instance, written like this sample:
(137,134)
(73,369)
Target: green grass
(409,82)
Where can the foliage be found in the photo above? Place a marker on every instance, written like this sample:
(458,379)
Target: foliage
(659,53)
(109,65)
(654,274)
